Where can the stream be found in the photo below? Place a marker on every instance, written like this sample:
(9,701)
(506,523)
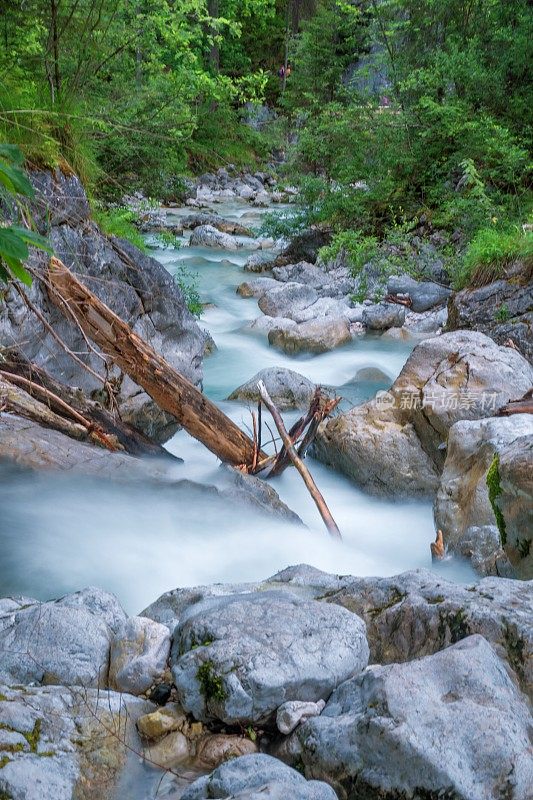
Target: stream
(60,533)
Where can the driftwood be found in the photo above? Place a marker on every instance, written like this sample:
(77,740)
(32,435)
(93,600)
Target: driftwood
(171,391)
(290,448)
(15,399)
(65,400)
(438,551)
(522,406)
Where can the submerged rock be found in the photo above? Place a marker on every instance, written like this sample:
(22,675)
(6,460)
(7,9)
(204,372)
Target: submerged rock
(288,389)
(393,445)
(316,336)
(238,658)
(448,725)
(254,776)
(209,236)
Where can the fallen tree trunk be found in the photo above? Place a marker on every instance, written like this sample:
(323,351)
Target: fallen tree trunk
(313,489)
(522,406)
(171,391)
(67,400)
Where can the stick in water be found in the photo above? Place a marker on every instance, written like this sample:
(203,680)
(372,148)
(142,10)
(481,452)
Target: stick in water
(313,489)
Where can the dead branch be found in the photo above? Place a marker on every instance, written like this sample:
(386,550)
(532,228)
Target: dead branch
(522,406)
(64,399)
(171,391)
(325,513)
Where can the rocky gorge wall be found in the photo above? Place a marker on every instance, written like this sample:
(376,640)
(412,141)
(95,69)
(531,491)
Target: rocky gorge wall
(133,285)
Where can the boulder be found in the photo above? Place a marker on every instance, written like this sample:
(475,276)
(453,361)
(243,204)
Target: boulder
(133,285)
(139,655)
(316,336)
(214,749)
(265,324)
(418,613)
(451,725)
(462,499)
(427,322)
(424,295)
(58,642)
(381,316)
(286,299)
(393,445)
(302,272)
(288,389)
(293,713)
(259,262)
(481,545)
(254,776)
(327,307)
(71,745)
(238,658)
(209,236)
(502,310)
(155,724)
(514,499)
(221,224)
(257,287)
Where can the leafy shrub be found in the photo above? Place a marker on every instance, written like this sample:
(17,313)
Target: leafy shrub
(15,240)
(119,222)
(489,253)
(359,249)
(188,284)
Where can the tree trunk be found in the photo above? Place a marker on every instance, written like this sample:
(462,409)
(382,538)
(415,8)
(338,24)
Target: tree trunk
(171,391)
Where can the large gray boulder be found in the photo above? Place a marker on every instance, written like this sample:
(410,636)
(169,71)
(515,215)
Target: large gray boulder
(502,310)
(58,642)
(288,389)
(424,295)
(302,272)
(449,725)
(395,443)
(255,777)
(209,236)
(237,658)
(69,742)
(381,316)
(256,287)
(418,613)
(287,299)
(462,499)
(133,285)
(315,336)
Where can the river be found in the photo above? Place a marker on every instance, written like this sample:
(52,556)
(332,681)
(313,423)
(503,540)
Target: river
(60,532)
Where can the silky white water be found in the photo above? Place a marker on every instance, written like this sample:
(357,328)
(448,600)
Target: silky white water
(60,532)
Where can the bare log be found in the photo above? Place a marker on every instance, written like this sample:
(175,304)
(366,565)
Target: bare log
(171,391)
(522,406)
(313,489)
(15,399)
(65,399)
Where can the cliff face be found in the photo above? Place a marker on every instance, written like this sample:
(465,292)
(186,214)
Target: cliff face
(133,285)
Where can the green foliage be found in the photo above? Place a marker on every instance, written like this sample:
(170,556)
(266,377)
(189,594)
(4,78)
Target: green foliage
(502,314)
(15,240)
(495,490)
(489,253)
(358,249)
(119,222)
(188,284)
(211,684)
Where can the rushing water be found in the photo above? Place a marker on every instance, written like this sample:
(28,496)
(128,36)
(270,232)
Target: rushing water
(60,532)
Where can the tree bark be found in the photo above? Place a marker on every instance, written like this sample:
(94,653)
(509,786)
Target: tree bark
(171,391)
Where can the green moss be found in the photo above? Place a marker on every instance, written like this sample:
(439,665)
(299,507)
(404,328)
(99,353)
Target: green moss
(32,737)
(515,647)
(433,601)
(495,490)
(3,698)
(456,624)
(3,761)
(211,684)
(396,598)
